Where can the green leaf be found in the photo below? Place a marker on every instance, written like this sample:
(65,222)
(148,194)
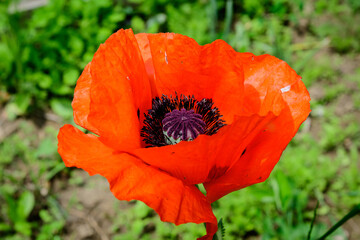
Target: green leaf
(23,227)
(4,227)
(116,17)
(47,147)
(25,205)
(76,45)
(18,105)
(55,209)
(50,229)
(222,228)
(58,168)
(137,24)
(103,34)
(45,216)
(7,59)
(220,234)
(70,76)
(11,208)
(44,81)
(62,107)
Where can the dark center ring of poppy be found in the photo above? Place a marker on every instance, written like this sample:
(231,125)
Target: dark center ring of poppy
(182,125)
(175,119)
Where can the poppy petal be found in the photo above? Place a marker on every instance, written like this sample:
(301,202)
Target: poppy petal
(268,75)
(144,47)
(265,77)
(272,76)
(206,157)
(181,65)
(118,91)
(81,101)
(129,179)
(211,229)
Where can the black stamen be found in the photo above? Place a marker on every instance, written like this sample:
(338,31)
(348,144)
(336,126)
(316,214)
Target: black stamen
(164,117)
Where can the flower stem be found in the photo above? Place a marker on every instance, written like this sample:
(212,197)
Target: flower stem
(352,213)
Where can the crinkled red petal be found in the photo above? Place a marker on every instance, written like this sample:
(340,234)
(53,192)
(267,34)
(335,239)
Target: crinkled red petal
(183,66)
(130,178)
(81,101)
(274,83)
(144,47)
(114,88)
(206,157)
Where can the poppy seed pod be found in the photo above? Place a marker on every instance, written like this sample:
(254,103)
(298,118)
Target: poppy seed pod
(168,114)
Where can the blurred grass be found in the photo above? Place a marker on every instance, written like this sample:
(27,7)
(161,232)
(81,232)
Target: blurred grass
(44,50)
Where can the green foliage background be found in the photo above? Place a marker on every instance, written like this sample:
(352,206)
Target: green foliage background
(43,51)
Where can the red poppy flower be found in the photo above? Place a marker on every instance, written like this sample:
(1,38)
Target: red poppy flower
(145,96)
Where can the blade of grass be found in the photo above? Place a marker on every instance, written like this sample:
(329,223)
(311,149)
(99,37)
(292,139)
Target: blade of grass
(213,19)
(312,49)
(352,213)
(313,220)
(228,18)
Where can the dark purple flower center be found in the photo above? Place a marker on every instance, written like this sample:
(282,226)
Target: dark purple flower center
(179,118)
(183,125)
